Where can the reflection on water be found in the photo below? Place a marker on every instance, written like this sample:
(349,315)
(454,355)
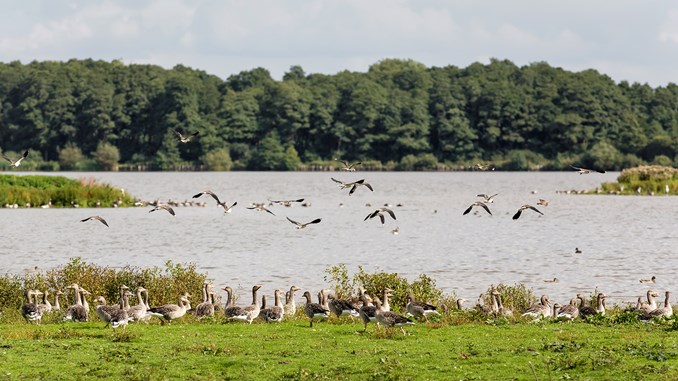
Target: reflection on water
(622,238)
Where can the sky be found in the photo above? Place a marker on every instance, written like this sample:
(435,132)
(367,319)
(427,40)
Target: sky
(630,40)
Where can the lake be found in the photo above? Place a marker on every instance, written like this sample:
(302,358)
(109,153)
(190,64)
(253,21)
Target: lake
(622,238)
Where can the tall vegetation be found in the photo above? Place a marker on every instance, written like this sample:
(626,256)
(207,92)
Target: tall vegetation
(400,114)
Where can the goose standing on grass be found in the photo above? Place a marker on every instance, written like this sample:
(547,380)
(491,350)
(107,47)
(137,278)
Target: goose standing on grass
(276,313)
(340,307)
(420,309)
(314,311)
(119,316)
(16,163)
(139,311)
(169,312)
(300,225)
(231,309)
(665,311)
(520,211)
(348,167)
(45,306)
(98,218)
(163,207)
(600,308)
(103,311)
(569,311)
(83,295)
(385,304)
(57,306)
(368,312)
(354,185)
(389,318)
(501,310)
(482,307)
(539,310)
(227,209)
(290,303)
(30,309)
(206,308)
(585,309)
(250,312)
(76,312)
(651,304)
(380,212)
(488,199)
(477,203)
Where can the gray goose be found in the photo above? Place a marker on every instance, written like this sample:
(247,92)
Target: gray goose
(205,308)
(501,310)
(97,218)
(353,185)
(260,207)
(163,207)
(340,307)
(584,171)
(384,304)
(348,167)
(57,306)
(250,312)
(389,318)
(139,311)
(539,310)
(368,312)
(526,206)
(569,311)
(420,309)
(290,304)
(300,225)
(314,311)
(16,163)
(665,311)
(169,312)
(380,212)
(185,139)
(227,209)
(584,309)
(286,203)
(276,313)
(477,203)
(45,306)
(651,305)
(231,309)
(488,199)
(651,280)
(119,316)
(30,310)
(76,312)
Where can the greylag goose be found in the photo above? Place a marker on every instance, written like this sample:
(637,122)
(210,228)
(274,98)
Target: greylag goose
(276,313)
(231,309)
(651,304)
(585,309)
(57,306)
(163,207)
(290,304)
(169,312)
(105,312)
(98,218)
(477,203)
(501,310)
(569,311)
(556,310)
(16,163)
(420,309)
(314,311)
(584,171)
(520,211)
(30,310)
(460,303)
(539,310)
(354,185)
(488,199)
(368,312)
(250,312)
(340,307)
(600,308)
(554,280)
(287,203)
(396,231)
(543,202)
(227,209)
(45,306)
(389,318)
(348,167)
(83,295)
(665,311)
(380,212)
(119,316)
(260,207)
(384,304)
(76,312)
(206,307)
(186,139)
(482,307)
(651,280)
(300,225)
(139,311)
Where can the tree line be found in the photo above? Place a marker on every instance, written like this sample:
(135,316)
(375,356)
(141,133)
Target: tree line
(400,114)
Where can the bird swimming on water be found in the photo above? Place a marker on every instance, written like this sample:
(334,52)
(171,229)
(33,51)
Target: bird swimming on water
(651,280)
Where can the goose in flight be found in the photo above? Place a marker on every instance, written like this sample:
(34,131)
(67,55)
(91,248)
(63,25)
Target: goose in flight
(163,207)
(477,203)
(483,167)
(354,185)
(380,212)
(260,207)
(186,139)
(227,209)
(16,163)
(520,211)
(300,225)
(348,167)
(488,199)
(286,203)
(583,171)
(98,218)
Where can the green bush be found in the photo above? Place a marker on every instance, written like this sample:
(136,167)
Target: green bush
(107,156)
(218,160)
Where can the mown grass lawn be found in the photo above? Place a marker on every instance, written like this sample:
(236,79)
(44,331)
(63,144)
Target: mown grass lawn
(339,351)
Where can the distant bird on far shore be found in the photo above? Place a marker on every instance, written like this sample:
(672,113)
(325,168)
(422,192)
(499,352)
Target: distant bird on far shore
(348,167)
(380,212)
(163,207)
(354,185)
(520,211)
(543,202)
(16,163)
(488,199)
(300,225)
(227,209)
(583,171)
(98,218)
(477,203)
(186,139)
(483,167)
(651,280)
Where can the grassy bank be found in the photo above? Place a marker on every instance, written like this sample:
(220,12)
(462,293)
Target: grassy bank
(59,192)
(339,351)
(644,180)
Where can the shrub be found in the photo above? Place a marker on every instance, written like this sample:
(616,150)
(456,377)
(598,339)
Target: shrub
(218,160)
(70,157)
(107,156)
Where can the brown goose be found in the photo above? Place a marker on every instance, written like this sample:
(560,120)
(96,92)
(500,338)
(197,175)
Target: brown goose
(539,310)
(260,207)
(520,211)
(30,310)
(250,312)
(57,306)
(45,306)
(477,203)
(368,312)
(276,313)
(651,280)
(340,307)
(119,316)
(488,199)
(420,309)
(354,185)
(569,311)
(665,311)
(380,212)
(587,310)
(543,202)
(384,304)
(290,304)
(231,309)
(390,319)
(651,304)
(227,209)
(348,167)
(76,312)
(139,311)
(163,207)
(16,163)
(98,218)
(501,310)
(185,139)
(169,312)
(205,308)
(314,311)
(300,225)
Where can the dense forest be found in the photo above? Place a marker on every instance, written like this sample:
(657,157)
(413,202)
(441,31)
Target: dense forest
(400,114)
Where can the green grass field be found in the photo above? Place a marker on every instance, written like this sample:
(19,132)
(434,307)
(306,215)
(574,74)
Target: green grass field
(452,349)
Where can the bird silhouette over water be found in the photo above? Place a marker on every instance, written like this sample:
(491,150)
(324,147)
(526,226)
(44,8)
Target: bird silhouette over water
(227,209)
(354,185)
(520,211)
(477,203)
(584,171)
(301,226)
(380,212)
(163,207)
(98,218)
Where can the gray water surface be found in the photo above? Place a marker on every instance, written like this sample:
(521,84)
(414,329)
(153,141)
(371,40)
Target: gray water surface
(622,238)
